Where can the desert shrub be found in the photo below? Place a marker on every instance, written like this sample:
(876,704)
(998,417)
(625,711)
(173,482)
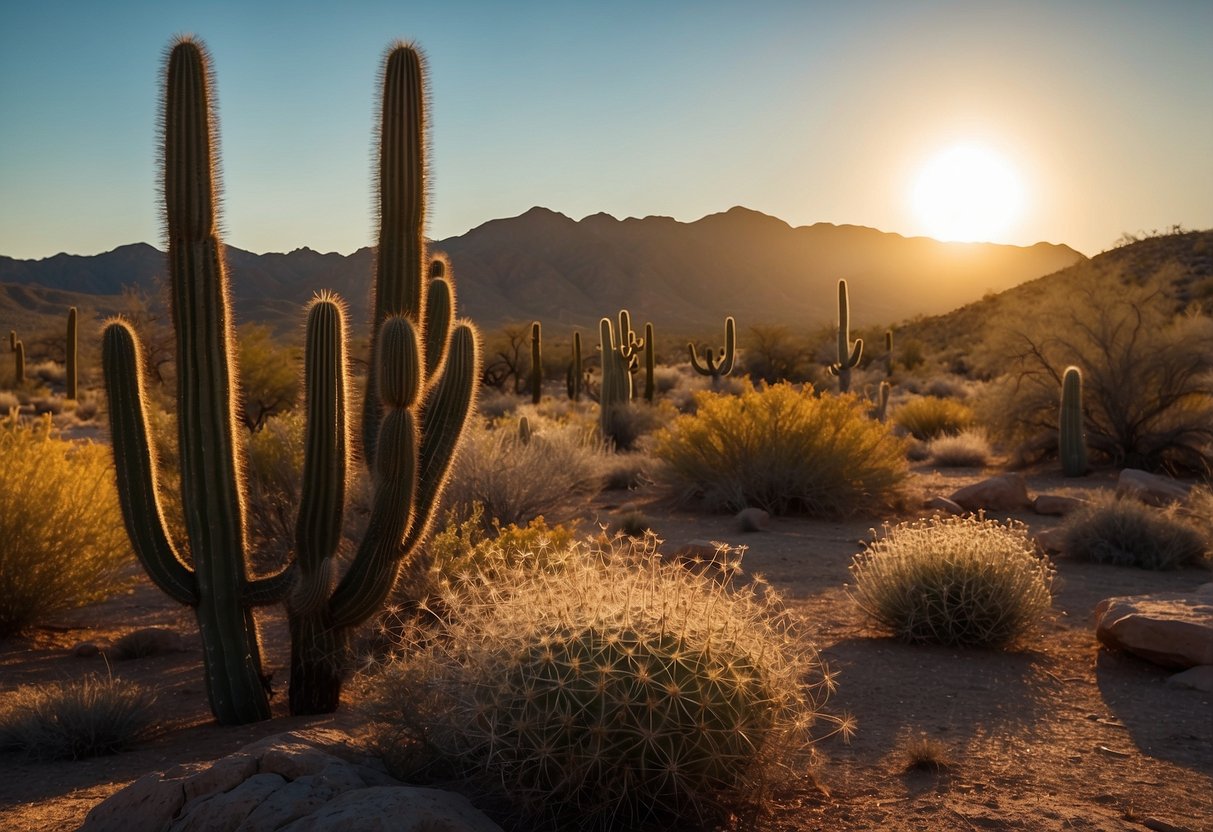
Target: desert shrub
(493,404)
(8,401)
(1125,532)
(463,548)
(554,474)
(632,423)
(946,387)
(954,580)
(666,378)
(62,542)
(783,450)
(269,375)
(967,449)
(626,471)
(927,417)
(47,372)
(923,753)
(72,720)
(1147,380)
(613,693)
(274,470)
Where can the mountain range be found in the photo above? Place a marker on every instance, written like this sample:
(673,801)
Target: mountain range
(683,276)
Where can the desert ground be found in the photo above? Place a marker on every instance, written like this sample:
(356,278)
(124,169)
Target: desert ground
(1058,734)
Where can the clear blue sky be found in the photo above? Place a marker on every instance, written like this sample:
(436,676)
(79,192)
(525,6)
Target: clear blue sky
(808,111)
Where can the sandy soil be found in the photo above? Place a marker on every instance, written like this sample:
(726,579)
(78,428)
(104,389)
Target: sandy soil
(1059,735)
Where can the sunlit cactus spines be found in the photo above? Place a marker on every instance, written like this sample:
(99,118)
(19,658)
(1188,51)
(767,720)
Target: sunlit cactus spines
(219,586)
(18,363)
(615,391)
(848,353)
(711,364)
(650,364)
(536,363)
(439,311)
(72,351)
(1072,434)
(573,376)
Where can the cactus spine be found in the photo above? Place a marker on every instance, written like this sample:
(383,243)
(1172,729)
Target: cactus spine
(573,377)
(1072,437)
(616,388)
(71,354)
(717,366)
(536,364)
(848,355)
(18,363)
(650,364)
(218,586)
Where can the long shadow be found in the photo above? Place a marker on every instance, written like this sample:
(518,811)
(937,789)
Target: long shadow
(1168,723)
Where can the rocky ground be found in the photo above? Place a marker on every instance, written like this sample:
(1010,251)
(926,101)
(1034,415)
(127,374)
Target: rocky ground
(1060,734)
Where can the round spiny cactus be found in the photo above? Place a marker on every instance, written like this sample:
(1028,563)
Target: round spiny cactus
(615,692)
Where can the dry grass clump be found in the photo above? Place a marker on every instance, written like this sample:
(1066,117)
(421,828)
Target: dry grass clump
(88,717)
(923,753)
(927,417)
(967,449)
(614,693)
(783,450)
(955,581)
(1125,532)
(62,542)
(554,474)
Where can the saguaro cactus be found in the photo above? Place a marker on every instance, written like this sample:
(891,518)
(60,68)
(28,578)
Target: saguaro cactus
(650,364)
(573,377)
(616,389)
(1072,435)
(717,366)
(71,353)
(18,363)
(848,355)
(536,364)
(888,352)
(218,586)
(12,340)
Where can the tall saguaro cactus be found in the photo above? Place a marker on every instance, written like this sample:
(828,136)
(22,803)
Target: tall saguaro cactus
(218,586)
(72,352)
(848,355)
(536,363)
(18,362)
(1072,435)
(717,366)
(573,378)
(650,364)
(615,392)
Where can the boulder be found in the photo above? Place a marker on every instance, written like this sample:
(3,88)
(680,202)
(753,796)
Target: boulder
(1170,629)
(284,782)
(943,505)
(1051,541)
(753,520)
(1055,505)
(1006,492)
(1150,488)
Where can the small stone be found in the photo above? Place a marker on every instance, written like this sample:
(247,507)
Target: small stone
(1055,505)
(753,520)
(1006,492)
(85,650)
(943,504)
(1150,488)
(1051,541)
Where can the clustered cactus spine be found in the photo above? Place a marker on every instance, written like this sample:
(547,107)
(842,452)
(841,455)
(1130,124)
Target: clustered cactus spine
(717,366)
(71,354)
(414,418)
(1072,436)
(848,355)
(536,363)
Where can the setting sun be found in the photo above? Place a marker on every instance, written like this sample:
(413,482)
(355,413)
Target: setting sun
(968,193)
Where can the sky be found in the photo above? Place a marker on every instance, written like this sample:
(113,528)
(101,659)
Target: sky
(1101,111)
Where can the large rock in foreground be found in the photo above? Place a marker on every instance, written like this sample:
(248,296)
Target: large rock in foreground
(285,783)
(1006,492)
(1170,629)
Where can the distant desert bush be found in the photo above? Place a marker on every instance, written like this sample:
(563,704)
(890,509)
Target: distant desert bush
(87,717)
(1125,532)
(8,401)
(927,417)
(1147,372)
(62,542)
(48,372)
(954,580)
(554,474)
(274,473)
(615,693)
(968,449)
(781,449)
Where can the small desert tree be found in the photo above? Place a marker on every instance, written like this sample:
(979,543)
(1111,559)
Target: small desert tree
(1148,372)
(269,375)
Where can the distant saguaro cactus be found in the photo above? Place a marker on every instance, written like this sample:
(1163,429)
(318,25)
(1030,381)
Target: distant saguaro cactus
(615,391)
(881,411)
(1072,435)
(717,366)
(18,363)
(536,363)
(72,349)
(12,340)
(573,376)
(650,363)
(888,352)
(848,355)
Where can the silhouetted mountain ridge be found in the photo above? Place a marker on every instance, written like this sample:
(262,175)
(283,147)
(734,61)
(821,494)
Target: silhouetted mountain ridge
(683,276)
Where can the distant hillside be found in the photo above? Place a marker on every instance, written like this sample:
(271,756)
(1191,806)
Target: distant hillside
(1182,262)
(682,276)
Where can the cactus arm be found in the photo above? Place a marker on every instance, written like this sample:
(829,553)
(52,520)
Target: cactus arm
(135,465)
(729,354)
(439,313)
(704,368)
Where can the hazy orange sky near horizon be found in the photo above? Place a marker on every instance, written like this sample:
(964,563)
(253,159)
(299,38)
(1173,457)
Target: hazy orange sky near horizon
(1102,111)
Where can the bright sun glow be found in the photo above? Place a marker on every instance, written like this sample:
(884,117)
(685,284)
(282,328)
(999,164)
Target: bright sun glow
(968,193)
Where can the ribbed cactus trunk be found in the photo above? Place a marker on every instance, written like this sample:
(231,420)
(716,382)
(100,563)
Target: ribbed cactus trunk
(650,364)
(72,350)
(848,355)
(573,381)
(1072,436)
(536,363)
(18,363)
(616,389)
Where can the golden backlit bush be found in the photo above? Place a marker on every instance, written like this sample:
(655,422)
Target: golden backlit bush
(928,417)
(62,541)
(783,450)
